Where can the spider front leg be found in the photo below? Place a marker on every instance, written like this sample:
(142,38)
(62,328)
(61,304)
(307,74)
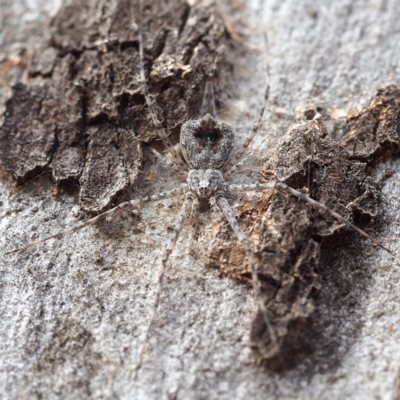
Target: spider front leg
(208,105)
(225,208)
(167,252)
(194,212)
(232,165)
(180,165)
(119,207)
(302,196)
(168,163)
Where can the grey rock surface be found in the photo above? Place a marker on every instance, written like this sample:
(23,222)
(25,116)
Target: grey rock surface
(74,310)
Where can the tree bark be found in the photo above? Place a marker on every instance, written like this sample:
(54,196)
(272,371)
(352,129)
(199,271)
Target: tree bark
(75,309)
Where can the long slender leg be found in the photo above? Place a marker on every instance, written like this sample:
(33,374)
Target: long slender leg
(239,164)
(167,252)
(193,221)
(208,105)
(321,206)
(224,206)
(119,207)
(256,125)
(167,162)
(156,122)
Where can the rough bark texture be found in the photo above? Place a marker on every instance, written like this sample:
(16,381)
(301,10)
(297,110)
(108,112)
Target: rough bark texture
(290,235)
(74,311)
(84,92)
(374,132)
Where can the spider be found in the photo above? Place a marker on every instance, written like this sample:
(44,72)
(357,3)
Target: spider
(205,158)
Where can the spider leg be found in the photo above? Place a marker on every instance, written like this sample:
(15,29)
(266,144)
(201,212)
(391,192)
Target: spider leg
(231,165)
(195,211)
(165,160)
(308,199)
(193,221)
(208,105)
(239,164)
(224,206)
(167,252)
(160,130)
(119,207)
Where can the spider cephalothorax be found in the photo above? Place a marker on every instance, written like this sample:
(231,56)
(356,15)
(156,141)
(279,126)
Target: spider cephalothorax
(205,182)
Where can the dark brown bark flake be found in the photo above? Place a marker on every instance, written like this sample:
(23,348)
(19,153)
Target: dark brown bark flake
(288,234)
(83,99)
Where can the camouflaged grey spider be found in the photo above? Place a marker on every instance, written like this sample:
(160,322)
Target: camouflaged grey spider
(206,145)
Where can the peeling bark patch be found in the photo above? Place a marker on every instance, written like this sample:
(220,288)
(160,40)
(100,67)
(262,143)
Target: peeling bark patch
(85,81)
(292,233)
(287,234)
(27,135)
(43,61)
(375,130)
(112,163)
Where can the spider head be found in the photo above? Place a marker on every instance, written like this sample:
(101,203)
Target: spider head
(205,182)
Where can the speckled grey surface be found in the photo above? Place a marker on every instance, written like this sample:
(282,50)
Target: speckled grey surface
(74,310)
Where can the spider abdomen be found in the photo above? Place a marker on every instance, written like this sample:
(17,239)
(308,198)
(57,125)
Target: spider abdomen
(206,142)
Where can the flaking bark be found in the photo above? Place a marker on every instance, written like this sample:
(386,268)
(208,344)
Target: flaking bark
(289,234)
(84,90)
